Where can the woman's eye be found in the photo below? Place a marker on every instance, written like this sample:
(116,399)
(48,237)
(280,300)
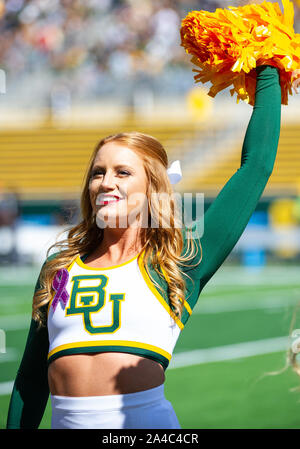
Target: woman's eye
(100,173)
(96,173)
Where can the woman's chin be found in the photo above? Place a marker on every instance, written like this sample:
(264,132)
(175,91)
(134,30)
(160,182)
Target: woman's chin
(121,221)
(111,221)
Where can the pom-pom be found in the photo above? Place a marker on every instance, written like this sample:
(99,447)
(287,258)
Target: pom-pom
(229,43)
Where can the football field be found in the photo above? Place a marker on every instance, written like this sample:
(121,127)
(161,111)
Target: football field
(238,332)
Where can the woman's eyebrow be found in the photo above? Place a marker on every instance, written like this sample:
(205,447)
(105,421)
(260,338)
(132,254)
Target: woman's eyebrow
(116,166)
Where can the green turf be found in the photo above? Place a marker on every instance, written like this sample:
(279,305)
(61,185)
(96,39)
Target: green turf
(227,394)
(231,394)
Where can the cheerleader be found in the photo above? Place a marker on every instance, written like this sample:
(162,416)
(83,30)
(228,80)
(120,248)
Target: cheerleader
(110,304)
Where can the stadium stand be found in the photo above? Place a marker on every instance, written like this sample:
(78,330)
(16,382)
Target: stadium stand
(50,162)
(212,173)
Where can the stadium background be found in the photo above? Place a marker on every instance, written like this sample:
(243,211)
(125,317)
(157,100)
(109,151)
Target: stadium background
(73,72)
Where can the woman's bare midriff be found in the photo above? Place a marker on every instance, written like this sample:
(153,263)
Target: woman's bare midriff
(105,373)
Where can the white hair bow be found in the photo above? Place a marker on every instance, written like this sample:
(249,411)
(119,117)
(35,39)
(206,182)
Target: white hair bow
(174,172)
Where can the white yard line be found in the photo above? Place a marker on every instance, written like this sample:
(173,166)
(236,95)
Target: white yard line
(15,322)
(217,354)
(6,387)
(228,352)
(11,355)
(240,275)
(227,275)
(208,306)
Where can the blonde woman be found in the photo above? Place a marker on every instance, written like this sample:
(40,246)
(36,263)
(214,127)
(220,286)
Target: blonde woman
(109,306)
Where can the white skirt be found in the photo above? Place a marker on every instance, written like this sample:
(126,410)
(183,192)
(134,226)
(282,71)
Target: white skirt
(147,409)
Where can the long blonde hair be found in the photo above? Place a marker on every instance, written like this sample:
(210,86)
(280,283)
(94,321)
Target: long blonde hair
(290,354)
(294,349)
(162,244)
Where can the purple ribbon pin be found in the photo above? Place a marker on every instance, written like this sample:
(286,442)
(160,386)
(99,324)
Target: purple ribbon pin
(59,283)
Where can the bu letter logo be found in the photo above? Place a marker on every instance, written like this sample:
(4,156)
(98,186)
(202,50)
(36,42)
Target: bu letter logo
(91,299)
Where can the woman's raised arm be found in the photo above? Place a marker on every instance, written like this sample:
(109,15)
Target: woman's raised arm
(228,215)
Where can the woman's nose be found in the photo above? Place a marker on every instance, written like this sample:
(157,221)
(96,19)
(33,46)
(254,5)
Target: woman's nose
(108,180)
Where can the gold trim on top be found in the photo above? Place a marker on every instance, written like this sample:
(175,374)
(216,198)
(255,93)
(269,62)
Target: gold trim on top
(79,262)
(185,303)
(101,343)
(156,292)
(83,265)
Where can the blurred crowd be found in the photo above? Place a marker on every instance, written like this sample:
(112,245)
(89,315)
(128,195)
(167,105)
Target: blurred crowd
(120,37)
(116,38)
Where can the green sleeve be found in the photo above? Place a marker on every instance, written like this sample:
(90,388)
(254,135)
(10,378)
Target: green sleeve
(228,215)
(30,391)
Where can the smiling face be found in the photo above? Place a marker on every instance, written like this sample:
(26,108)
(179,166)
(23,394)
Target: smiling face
(118,186)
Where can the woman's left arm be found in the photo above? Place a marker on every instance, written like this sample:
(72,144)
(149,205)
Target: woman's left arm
(228,215)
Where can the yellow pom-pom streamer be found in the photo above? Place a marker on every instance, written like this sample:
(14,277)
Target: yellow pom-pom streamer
(229,43)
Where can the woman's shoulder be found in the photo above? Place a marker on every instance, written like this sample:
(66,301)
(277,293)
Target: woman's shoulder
(52,256)
(48,258)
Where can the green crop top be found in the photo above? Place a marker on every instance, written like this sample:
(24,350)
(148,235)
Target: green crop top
(224,222)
